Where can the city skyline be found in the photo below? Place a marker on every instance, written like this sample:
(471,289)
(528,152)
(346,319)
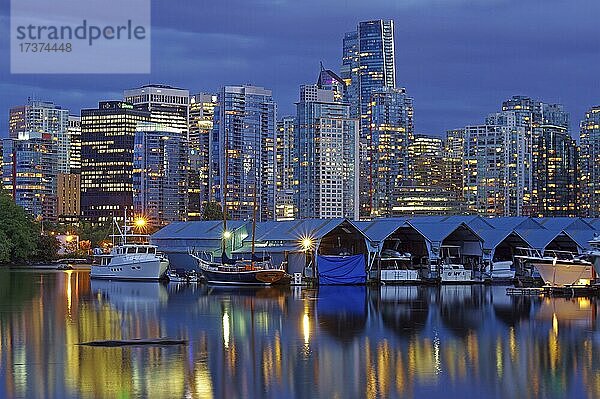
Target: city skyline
(455,68)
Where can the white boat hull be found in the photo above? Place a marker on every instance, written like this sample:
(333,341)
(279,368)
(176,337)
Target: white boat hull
(456,276)
(151,269)
(563,274)
(400,276)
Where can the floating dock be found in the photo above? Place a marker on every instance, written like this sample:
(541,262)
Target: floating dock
(567,291)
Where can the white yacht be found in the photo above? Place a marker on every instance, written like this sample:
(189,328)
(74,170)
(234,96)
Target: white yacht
(594,253)
(557,268)
(132,258)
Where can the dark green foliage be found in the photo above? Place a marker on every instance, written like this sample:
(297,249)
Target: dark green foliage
(212,211)
(19,235)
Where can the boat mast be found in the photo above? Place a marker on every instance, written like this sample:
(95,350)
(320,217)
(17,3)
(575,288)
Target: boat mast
(253,220)
(224,190)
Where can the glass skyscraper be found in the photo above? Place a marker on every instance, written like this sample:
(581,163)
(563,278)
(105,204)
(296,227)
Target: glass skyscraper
(202,109)
(589,140)
(46,118)
(159,174)
(107,141)
(243,146)
(326,150)
(387,162)
(368,65)
(285,208)
(29,169)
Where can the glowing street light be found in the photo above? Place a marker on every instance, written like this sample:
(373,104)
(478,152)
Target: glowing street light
(227,234)
(140,222)
(306,243)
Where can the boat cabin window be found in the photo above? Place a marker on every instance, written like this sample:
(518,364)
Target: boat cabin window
(141,250)
(151,250)
(131,250)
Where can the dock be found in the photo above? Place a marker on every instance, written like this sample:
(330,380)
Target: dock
(550,291)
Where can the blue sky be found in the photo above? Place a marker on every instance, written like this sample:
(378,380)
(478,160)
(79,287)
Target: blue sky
(458,58)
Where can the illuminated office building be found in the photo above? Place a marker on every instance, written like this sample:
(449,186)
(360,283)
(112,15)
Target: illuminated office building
(68,197)
(285,208)
(244,134)
(29,170)
(107,141)
(589,140)
(497,170)
(168,106)
(45,118)
(159,174)
(387,160)
(555,188)
(426,154)
(368,64)
(74,133)
(326,151)
(453,161)
(202,109)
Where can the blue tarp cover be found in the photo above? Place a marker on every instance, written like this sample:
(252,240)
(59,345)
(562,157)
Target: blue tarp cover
(335,270)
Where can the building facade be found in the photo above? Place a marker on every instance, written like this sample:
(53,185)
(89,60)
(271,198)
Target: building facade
(29,172)
(285,159)
(368,64)
(107,143)
(159,174)
(202,110)
(243,152)
(589,161)
(43,117)
(74,153)
(387,162)
(68,199)
(326,151)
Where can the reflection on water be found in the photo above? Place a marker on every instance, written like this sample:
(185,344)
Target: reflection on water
(331,342)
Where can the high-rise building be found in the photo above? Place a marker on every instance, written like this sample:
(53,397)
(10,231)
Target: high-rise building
(159,174)
(368,65)
(45,118)
(243,151)
(497,163)
(555,171)
(426,153)
(453,161)
(68,197)
(285,208)
(387,161)
(74,153)
(326,150)
(29,172)
(107,141)
(589,140)
(202,109)
(168,106)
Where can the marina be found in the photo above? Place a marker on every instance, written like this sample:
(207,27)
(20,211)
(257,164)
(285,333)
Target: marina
(393,251)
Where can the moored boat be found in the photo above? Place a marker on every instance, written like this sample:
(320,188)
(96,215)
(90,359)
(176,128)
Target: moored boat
(239,272)
(558,268)
(131,258)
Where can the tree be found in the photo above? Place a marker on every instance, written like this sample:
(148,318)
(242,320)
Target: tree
(47,248)
(18,233)
(212,211)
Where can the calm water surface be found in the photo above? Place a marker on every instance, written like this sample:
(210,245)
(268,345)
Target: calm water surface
(334,342)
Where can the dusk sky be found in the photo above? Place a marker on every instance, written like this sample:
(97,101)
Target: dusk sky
(458,59)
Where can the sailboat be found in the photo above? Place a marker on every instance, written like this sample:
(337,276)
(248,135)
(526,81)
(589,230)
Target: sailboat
(253,271)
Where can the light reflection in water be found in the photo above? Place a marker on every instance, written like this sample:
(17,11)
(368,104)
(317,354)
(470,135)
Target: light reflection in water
(226,331)
(409,341)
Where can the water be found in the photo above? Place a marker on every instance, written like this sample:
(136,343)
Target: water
(334,342)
